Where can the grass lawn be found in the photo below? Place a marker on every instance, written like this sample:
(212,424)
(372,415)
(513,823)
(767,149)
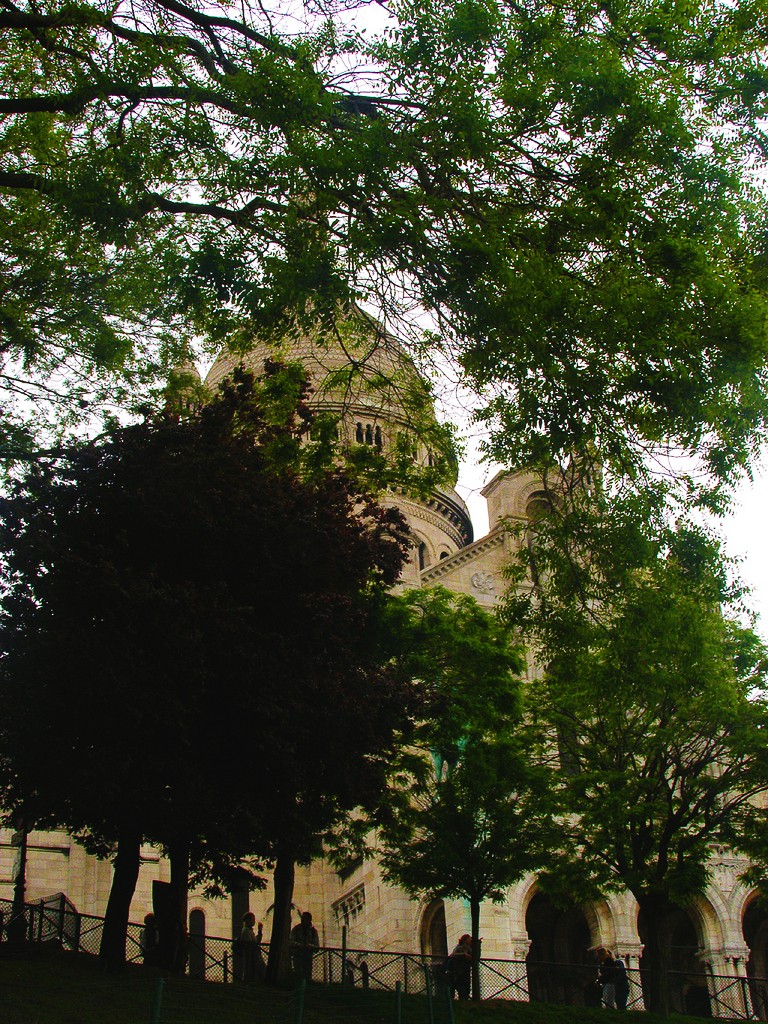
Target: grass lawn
(51,987)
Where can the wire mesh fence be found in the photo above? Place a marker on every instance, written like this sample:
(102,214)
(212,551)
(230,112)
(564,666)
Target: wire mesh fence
(210,958)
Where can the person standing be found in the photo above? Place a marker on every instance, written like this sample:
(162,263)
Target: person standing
(621,983)
(607,975)
(250,948)
(149,941)
(459,967)
(304,942)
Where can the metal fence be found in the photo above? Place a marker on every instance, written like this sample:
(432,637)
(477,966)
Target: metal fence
(55,920)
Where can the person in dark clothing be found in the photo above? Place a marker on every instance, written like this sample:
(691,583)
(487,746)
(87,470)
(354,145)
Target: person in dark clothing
(149,941)
(304,942)
(621,984)
(607,975)
(249,948)
(593,992)
(458,969)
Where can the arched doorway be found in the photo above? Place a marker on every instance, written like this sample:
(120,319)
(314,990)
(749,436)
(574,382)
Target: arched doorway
(197,944)
(688,990)
(754,926)
(433,934)
(559,963)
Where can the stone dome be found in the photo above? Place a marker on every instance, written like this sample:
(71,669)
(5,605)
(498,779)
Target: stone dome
(365,376)
(362,370)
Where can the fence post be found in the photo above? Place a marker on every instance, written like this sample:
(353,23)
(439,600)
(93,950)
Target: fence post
(405,973)
(344,957)
(746,1002)
(428,983)
(157,1002)
(398,1002)
(300,1000)
(449,997)
(76,936)
(225,964)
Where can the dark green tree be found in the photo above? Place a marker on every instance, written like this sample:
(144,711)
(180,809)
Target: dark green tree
(188,648)
(461,821)
(651,715)
(567,190)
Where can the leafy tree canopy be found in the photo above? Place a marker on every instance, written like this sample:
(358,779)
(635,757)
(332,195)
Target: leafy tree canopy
(650,713)
(467,832)
(565,188)
(461,820)
(466,660)
(189,617)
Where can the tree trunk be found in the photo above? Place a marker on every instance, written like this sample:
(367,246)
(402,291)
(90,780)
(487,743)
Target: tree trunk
(17,928)
(655,911)
(179,857)
(278,965)
(124,878)
(474,911)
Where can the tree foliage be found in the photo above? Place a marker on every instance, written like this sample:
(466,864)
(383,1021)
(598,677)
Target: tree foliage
(465,659)
(650,711)
(188,633)
(461,819)
(565,188)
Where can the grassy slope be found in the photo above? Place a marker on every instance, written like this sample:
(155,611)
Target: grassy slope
(60,988)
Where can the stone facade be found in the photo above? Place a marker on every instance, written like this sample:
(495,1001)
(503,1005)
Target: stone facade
(723,933)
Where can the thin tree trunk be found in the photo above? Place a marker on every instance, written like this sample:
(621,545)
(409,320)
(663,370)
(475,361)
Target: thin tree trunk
(474,911)
(278,965)
(124,878)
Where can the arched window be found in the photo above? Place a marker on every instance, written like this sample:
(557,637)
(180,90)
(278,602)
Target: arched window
(433,935)
(538,506)
(377,439)
(423,561)
(359,433)
(368,434)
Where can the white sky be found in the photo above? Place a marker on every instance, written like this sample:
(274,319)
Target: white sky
(747,537)
(745,530)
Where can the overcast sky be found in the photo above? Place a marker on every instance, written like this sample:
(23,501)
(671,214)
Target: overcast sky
(747,537)
(745,531)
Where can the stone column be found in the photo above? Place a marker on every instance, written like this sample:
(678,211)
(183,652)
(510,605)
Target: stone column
(727,981)
(740,997)
(520,945)
(631,952)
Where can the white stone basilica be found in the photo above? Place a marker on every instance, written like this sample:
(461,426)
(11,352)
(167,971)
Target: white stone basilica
(724,932)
